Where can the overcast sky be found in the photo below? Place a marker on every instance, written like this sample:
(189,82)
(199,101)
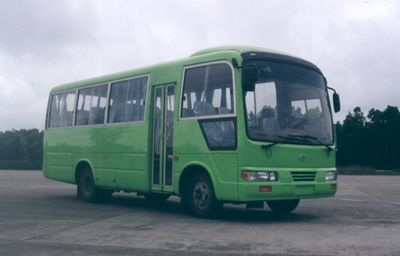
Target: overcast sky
(45,43)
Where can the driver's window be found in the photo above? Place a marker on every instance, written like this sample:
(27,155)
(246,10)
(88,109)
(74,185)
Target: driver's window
(207,91)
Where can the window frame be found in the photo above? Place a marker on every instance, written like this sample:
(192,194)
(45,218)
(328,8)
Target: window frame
(49,103)
(208,116)
(245,111)
(145,100)
(109,84)
(77,101)
(220,148)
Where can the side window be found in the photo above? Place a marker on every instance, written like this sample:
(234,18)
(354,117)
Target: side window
(83,107)
(219,134)
(127,100)
(207,91)
(61,109)
(99,104)
(91,105)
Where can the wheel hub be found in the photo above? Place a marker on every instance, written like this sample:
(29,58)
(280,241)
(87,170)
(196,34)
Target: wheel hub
(201,195)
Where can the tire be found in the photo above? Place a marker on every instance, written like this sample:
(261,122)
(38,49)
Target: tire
(200,197)
(87,190)
(283,206)
(155,197)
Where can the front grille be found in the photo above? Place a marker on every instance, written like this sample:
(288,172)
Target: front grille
(303,176)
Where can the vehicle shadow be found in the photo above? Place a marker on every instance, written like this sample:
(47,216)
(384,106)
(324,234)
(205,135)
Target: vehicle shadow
(231,213)
(173,209)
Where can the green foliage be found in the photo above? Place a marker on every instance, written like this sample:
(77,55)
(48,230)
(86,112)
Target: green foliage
(372,141)
(21,149)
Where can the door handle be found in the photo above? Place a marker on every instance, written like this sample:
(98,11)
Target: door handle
(174,158)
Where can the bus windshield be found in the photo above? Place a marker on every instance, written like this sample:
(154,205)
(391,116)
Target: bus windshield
(288,105)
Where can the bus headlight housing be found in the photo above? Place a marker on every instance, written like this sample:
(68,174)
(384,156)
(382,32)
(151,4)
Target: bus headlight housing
(259,176)
(330,176)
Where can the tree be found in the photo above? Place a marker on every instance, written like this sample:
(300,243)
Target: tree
(384,131)
(351,138)
(372,141)
(21,149)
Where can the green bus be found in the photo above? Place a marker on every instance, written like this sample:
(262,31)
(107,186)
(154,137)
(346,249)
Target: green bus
(225,125)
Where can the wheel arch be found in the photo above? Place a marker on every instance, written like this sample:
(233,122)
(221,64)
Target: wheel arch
(191,169)
(80,165)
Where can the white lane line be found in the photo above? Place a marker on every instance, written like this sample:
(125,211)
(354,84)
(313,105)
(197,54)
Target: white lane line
(394,202)
(351,200)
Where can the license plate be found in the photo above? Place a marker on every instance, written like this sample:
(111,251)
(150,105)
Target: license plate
(304,190)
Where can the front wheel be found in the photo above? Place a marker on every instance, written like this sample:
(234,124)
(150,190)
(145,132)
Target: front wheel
(283,206)
(201,197)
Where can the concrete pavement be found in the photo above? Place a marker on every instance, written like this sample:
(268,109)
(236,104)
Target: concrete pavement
(42,217)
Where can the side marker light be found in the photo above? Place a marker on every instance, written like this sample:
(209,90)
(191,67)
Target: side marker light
(265,189)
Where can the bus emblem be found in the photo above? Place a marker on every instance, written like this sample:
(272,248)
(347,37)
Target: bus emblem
(302,157)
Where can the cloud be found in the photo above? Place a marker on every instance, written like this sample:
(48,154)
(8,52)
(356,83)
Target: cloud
(21,107)
(45,43)
(43,27)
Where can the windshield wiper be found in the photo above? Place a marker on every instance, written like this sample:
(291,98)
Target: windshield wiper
(305,137)
(329,148)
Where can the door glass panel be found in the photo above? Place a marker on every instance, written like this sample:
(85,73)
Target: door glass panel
(157,138)
(170,100)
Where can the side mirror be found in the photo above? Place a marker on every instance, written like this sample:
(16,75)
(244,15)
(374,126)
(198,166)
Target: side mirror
(249,78)
(336,102)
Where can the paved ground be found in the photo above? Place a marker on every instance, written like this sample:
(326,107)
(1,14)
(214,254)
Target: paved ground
(41,217)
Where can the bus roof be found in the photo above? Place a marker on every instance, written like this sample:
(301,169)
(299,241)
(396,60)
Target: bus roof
(238,49)
(144,70)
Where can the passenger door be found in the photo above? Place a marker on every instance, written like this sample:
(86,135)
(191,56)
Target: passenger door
(162,137)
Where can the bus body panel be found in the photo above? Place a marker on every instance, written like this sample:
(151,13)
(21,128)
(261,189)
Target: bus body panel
(224,180)
(120,155)
(117,160)
(221,164)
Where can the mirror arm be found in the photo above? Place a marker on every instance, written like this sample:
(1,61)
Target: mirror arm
(330,88)
(235,64)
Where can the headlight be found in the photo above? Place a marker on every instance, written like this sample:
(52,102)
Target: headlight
(259,176)
(330,176)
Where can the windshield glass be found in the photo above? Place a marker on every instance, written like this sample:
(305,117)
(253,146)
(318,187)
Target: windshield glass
(289,104)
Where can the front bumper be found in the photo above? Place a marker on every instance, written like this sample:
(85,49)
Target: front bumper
(251,191)
(287,187)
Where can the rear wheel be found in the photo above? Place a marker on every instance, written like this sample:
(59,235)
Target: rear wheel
(201,197)
(283,206)
(87,189)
